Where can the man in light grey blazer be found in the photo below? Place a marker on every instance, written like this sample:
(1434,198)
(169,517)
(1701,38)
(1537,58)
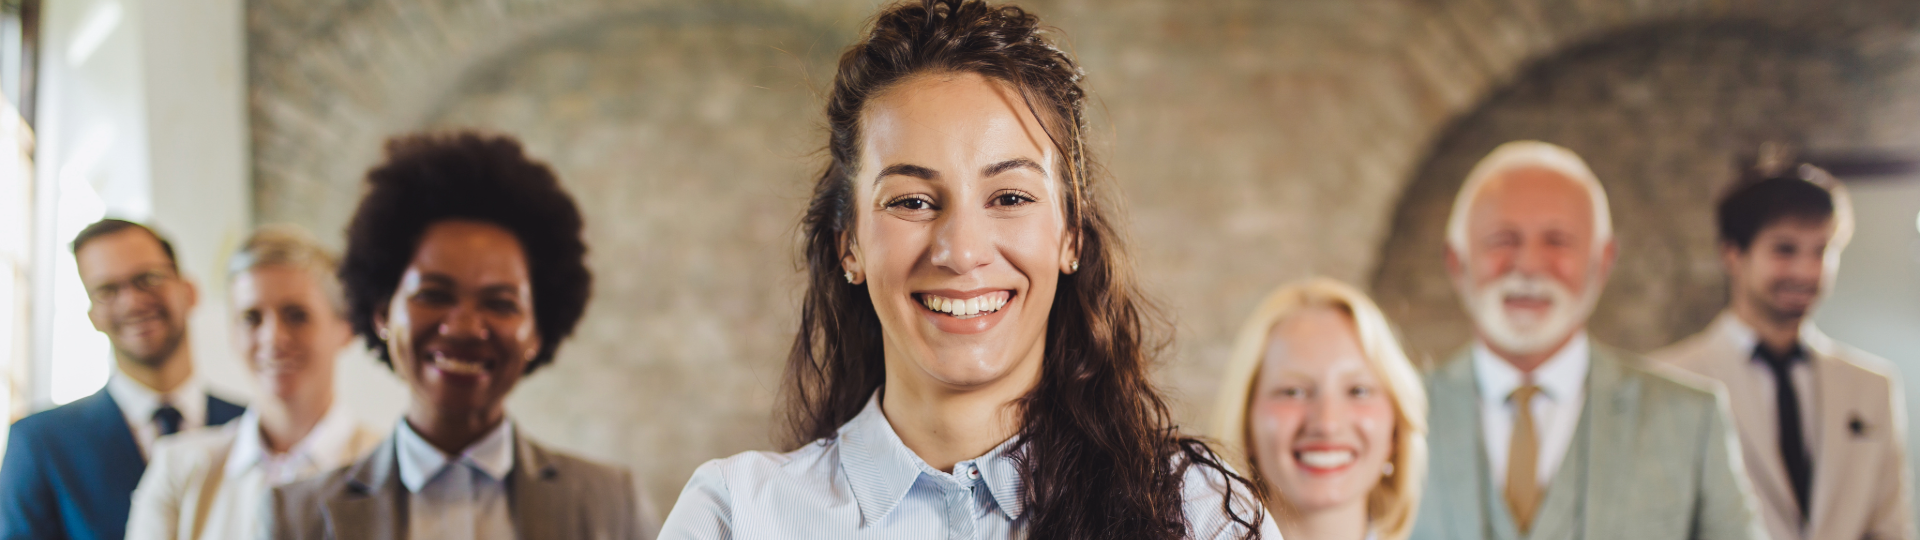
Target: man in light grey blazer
(1535,431)
(1822,425)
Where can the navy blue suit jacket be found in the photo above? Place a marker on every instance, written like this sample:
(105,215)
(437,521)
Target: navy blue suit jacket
(70,471)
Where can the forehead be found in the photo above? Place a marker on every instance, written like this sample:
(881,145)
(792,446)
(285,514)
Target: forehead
(961,117)
(1533,196)
(1313,340)
(470,251)
(120,253)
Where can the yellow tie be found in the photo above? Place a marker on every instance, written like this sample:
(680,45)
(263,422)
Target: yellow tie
(1523,491)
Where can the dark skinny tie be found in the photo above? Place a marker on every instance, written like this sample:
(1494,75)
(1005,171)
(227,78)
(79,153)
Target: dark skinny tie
(168,418)
(1793,443)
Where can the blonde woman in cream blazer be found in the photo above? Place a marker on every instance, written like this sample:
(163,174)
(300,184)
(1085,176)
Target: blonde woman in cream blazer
(289,326)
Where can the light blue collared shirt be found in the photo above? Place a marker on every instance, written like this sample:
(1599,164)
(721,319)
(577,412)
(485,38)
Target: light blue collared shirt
(866,483)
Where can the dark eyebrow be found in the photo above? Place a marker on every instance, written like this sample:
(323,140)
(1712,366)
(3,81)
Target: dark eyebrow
(905,169)
(437,279)
(1011,164)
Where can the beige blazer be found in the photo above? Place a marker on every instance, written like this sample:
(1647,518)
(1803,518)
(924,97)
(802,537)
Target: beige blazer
(1653,459)
(186,493)
(553,495)
(1860,476)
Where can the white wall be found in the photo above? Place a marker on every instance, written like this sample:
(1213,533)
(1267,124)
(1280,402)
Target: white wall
(1875,305)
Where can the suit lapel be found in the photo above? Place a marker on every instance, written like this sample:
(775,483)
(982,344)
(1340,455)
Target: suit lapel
(539,502)
(1832,433)
(1765,469)
(1456,413)
(1613,404)
(373,505)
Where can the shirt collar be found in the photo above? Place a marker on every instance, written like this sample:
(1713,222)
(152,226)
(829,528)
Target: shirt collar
(1560,377)
(1745,338)
(420,462)
(325,446)
(881,469)
(138,402)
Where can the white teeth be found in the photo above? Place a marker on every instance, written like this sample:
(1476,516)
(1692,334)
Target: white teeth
(986,303)
(1326,459)
(457,366)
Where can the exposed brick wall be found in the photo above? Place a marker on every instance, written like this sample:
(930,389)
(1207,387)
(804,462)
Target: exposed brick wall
(1254,141)
(1661,114)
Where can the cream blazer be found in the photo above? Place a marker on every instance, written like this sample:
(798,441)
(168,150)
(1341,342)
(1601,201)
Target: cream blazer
(1860,476)
(186,494)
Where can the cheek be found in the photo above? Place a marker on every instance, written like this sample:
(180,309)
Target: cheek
(1274,423)
(1375,420)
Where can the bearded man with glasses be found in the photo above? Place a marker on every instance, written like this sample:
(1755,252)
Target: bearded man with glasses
(70,472)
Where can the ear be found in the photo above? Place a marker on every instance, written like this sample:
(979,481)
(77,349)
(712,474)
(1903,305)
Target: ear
(1731,257)
(193,293)
(1455,267)
(850,258)
(380,323)
(1609,254)
(1070,253)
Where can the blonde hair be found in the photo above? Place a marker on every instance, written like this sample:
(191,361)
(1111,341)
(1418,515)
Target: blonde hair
(1392,503)
(293,247)
(1519,155)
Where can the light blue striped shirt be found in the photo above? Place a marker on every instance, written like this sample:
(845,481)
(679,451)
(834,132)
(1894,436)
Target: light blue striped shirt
(866,483)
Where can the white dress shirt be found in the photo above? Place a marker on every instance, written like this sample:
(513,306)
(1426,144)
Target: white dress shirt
(183,496)
(1759,381)
(866,483)
(137,403)
(457,497)
(1556,408)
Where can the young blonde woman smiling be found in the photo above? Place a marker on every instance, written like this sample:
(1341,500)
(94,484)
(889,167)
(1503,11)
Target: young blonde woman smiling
(1327,413)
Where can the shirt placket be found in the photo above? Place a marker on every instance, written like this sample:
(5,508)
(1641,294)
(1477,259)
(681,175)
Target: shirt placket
(960,501)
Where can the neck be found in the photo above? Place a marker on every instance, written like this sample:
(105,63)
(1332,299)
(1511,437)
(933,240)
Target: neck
(164,378)
(1345,522)
(1778,334)
(453,433)
(1526,363)
(945,426)
(285,423)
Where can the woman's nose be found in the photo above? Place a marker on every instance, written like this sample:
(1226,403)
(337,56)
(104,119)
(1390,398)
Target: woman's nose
(961,241)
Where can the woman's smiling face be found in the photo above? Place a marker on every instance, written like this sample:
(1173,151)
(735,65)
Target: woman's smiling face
(960,234)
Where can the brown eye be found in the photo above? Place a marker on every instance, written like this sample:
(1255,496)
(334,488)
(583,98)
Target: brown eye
(1011,199)
(912,203)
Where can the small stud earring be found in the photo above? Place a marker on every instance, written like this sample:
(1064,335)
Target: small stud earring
(849,276)
(1388,470)
(1073,266)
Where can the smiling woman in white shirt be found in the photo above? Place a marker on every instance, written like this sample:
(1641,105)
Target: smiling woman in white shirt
(464,271)
(289,325)
(972,359)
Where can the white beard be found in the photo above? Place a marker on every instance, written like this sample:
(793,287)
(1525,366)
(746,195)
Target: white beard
(1529,334)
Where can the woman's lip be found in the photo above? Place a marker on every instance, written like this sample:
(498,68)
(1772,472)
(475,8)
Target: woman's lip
(960,295)
(953,325)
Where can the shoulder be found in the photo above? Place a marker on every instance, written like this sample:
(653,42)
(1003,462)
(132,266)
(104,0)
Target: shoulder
(1661,380)
(582,471)
(1862,363)
(1691,352)
(190,449)
(1216,505)
(62,419)
(809,472)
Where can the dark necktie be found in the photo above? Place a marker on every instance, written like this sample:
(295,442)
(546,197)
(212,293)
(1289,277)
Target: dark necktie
(168,418)
(1793,443)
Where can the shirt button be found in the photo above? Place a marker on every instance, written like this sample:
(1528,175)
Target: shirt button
(973,472)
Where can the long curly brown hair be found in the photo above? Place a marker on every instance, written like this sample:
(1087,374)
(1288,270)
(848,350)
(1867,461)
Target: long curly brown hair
(1097,446)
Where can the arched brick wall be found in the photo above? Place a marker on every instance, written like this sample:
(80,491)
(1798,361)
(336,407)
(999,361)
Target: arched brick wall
(1255,142)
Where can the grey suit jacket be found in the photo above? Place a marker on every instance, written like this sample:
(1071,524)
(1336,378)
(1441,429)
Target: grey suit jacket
(1659,461)
(553,495)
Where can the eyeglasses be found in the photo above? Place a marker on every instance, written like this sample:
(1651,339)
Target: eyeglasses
(146,282)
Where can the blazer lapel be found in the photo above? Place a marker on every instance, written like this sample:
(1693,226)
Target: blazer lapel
(1456,413)
(1832,431)
(1613,404)
(373,505)
(539,501)
(1765,468)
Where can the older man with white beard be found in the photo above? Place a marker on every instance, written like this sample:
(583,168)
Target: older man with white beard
(1536,431)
